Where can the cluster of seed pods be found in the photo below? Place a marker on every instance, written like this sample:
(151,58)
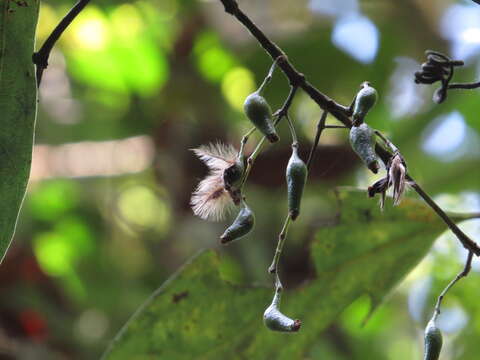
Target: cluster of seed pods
(363,142)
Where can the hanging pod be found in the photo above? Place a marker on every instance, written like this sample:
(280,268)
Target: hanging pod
(241,226)
(275,320)
(364,101)
(260,114)
(296,179)
(362,139)
(433,341)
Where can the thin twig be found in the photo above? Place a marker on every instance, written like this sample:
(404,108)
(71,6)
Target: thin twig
(273,269)
(320,127)
(474,85)
(40,58)
(462,274)
(292,129)
(467,243)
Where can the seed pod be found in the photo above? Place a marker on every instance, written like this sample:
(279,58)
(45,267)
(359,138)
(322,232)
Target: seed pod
(240,227)
(362,139)
(364,101)
(276,321)
(296,179)
(260,114)
(433,341)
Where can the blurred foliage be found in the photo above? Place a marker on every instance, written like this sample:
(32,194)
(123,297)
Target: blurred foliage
(133,85)
(365,253)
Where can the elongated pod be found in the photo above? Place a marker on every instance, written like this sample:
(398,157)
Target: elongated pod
(260,114)
(275,320)
(241,226)
(296,179)
(362,139)
(433,341)
(364,101)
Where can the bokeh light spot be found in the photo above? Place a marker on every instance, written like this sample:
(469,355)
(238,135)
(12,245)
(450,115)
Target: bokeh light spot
(237,84)
(357,36)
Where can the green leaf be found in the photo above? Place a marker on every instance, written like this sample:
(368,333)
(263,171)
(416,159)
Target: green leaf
(197,315)
(18,101)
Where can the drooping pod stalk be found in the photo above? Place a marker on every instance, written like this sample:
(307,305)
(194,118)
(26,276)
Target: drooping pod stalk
(260,114)
(433,341)
(241,226)
(362,139)
(296,178)
(275,320)
(364,101)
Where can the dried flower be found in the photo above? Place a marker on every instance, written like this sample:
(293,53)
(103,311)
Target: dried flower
(379,187)
(396,177)
(211,201)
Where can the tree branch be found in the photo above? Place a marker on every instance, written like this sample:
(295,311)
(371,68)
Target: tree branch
(467,243)
(467,86)
(340,112)
(295,77)
(40,58)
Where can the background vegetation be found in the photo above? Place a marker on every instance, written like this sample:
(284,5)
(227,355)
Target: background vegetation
(133,85)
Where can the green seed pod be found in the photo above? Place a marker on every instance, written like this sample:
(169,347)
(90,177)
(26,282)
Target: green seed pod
(260,114)
(240,227)
(362,139)
(276,321)
(364,101)
(433,341)
(296,179)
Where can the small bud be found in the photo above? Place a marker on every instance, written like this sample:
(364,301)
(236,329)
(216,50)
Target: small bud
(364,101)
(275,320)
(240,227)
(260,114)
(433,341)
(296,178)
(362,139)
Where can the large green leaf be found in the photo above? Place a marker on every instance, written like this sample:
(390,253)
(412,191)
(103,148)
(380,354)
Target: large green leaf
(18,101)
(198,315)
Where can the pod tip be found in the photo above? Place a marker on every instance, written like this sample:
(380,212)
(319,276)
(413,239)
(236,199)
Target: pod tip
(294,214)
(374,167)
(297,324)
(272,137)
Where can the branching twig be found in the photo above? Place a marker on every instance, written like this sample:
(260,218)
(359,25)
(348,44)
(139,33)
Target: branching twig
(340,112)
(40,58)
(462,274)
(295,77)
(467,243)
(320,128)
(474,85)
